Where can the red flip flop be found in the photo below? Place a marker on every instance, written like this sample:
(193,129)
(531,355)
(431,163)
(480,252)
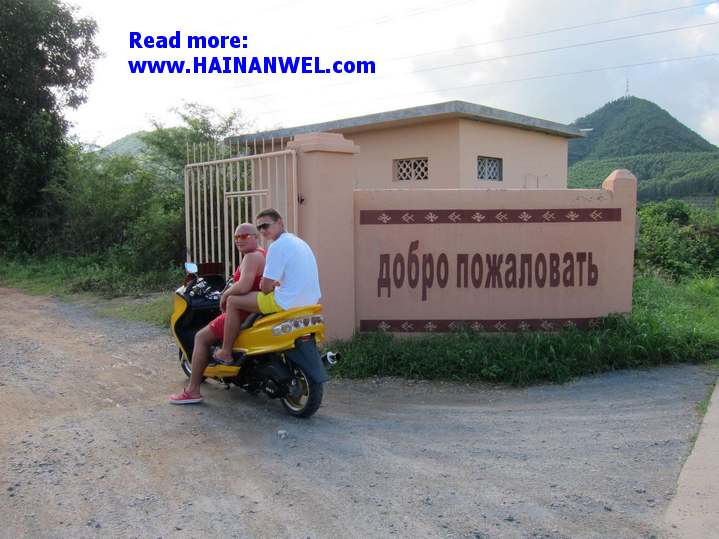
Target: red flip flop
(185,398)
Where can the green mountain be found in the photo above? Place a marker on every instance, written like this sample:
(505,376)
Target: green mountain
(131,144)
(659,175)
(633,126)
(668,159)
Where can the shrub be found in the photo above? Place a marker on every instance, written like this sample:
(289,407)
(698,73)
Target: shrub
(118,212)
(97,274)
(98,201)
(155,240)
(678,240)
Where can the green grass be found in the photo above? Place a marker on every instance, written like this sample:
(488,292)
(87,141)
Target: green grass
(703,405)
(671,322)
(684,309)
(66,275)
(154,310)
(136,298)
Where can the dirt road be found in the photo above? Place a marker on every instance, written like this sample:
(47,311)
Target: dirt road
(89,447)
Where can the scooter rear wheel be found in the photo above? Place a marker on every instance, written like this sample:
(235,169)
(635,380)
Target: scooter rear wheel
(304,396)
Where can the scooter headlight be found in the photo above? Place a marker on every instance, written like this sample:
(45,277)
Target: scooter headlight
(296,323)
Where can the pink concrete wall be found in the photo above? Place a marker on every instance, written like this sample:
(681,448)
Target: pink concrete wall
(409,260)
(439,141)
(325,168)
(594,228)
(530,159)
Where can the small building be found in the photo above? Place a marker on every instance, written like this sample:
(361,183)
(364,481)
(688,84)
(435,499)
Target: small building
(429,219)
(446,145)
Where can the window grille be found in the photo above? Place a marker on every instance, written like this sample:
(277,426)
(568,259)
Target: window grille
(489,168)
(416,168)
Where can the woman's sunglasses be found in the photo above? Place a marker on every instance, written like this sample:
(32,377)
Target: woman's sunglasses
(243,236)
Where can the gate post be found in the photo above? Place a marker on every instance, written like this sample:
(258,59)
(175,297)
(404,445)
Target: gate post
(326,180)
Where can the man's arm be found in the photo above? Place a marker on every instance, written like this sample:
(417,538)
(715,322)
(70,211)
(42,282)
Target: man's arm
(267,285)
(251,266)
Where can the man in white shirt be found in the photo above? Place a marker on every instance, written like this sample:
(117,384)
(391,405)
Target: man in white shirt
(290,278)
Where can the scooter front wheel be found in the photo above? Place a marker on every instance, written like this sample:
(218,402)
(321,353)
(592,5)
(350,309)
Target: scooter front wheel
(304,395)
(186,365)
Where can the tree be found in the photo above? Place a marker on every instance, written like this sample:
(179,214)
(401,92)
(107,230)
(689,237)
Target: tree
(46,62)
(167,146)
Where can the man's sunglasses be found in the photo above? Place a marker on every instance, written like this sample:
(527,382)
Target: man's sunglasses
(263,226)
(243,236)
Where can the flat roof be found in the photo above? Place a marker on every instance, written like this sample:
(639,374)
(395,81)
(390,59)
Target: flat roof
(415,115)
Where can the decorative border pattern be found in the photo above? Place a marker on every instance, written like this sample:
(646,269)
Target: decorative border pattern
(495,326)
(434,217)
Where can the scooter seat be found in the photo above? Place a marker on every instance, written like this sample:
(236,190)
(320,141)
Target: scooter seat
(250,320)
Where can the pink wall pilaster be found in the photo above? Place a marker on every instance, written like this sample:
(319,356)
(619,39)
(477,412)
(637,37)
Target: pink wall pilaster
(326,177)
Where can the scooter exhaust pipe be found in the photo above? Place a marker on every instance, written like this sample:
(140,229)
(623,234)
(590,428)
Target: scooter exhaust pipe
(330,358)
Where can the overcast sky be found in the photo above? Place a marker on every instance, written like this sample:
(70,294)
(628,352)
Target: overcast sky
(396,35)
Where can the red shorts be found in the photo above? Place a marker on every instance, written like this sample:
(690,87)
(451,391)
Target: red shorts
(217,326)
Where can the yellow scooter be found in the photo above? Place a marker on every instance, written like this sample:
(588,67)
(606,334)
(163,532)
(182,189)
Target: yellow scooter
(278,352)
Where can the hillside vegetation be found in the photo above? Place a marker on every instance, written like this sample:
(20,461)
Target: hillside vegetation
(669,159)
(660,175)
(633,126)
(132,144)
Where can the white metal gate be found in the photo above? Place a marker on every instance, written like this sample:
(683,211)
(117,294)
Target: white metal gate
(220,194)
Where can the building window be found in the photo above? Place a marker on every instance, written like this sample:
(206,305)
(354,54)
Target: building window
(416,168)
(489,168)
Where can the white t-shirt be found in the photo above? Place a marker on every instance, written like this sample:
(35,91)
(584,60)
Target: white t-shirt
(291,262)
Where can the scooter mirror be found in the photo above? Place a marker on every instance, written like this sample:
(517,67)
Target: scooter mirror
(191,267)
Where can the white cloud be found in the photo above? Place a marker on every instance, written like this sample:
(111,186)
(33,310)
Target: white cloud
(390,34)
(710,124)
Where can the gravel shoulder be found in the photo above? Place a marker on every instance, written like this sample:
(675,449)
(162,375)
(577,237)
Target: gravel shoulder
(89,447)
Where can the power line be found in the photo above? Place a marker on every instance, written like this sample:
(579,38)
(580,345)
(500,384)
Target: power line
(384,19)
(421,11)
(554,30)
(526,53)
(524,79)
(508,56)
(412,13)
(562,47)
(571,73)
